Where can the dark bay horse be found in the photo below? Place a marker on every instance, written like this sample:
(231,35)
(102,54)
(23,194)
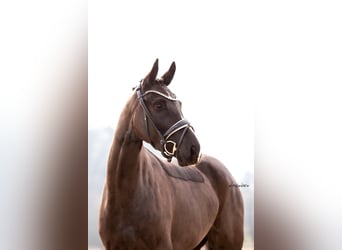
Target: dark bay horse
(152,204)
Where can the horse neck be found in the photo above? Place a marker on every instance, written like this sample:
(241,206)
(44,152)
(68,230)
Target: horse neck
(123,162)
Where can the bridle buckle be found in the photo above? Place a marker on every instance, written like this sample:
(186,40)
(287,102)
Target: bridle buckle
(174,148)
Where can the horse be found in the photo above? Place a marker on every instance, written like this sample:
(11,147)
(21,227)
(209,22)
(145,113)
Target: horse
(151,203)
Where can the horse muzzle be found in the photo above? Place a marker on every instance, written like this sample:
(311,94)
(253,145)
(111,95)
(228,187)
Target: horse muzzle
(188,152)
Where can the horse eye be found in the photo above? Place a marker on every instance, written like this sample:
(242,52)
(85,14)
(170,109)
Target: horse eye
(160,105)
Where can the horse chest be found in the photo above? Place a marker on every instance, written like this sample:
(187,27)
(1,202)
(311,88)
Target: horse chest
(139,209)
(133,232)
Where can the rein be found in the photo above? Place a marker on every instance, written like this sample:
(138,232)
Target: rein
(169,147)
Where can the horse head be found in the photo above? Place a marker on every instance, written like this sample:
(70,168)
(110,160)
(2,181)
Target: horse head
(160,121)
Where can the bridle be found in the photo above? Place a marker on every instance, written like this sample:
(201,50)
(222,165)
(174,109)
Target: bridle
(182,124)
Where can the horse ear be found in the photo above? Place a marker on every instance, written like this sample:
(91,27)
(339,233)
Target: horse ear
(151,77)
(167,77)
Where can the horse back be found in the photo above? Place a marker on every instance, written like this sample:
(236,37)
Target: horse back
(219,176)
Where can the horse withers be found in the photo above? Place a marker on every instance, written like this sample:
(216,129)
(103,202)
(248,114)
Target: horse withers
(151,204)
